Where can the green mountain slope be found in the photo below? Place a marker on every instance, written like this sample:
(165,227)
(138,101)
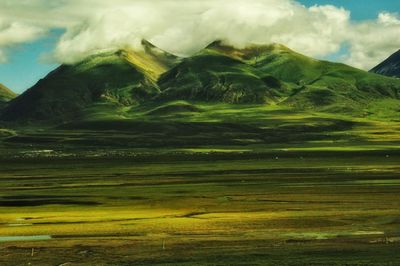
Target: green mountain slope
(108,85)
(5,95)
(217,78)
(123,78)
(314,83)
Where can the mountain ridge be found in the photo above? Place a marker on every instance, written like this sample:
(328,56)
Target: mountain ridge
(303,81)
(258,74)
(389,67)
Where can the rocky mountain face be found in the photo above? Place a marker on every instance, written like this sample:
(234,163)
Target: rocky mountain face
(390,67)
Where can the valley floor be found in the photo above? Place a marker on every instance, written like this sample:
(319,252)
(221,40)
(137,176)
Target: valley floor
(222,208)
(227,185)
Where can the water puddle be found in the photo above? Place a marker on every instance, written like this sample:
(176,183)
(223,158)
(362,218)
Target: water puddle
(24,238)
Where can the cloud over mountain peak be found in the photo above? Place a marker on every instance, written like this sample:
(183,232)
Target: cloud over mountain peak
(183,27)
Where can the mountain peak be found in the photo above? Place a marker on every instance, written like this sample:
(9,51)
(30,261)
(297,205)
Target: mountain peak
(150,60)
(124,77)
(152,49)
(148,44)
(215,44)
(255,74)
(219,44)
(249,52)
(389,67)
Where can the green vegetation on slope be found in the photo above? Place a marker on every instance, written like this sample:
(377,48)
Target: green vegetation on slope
(315,84)
(5,95)
(152,61)
(110,85)
(216,78)
(65,92)
(111,80)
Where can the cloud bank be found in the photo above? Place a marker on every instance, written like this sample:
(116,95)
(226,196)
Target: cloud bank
(185,26)
(373,41)
(12,33)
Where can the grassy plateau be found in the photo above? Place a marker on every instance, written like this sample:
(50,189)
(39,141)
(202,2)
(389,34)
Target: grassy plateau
(189,183)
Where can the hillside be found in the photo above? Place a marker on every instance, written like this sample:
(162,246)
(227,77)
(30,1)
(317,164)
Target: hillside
(5,95)
(217,78)
(123,78)
(313,83)
(111,85)
(390,67)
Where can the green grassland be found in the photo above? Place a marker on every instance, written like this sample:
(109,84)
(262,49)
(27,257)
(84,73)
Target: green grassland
(197,183)
(226,208)
(181,125)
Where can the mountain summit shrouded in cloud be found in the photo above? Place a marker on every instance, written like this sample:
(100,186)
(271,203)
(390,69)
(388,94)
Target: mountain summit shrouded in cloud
(183,27)
(269,75)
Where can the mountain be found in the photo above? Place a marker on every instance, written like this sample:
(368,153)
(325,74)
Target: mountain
(5,95)
(111,85)
(390,67)
(214,77)
(312,83)
(122,78)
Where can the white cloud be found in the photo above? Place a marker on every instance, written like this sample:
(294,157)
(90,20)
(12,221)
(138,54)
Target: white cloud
(373,41)
(388,19)
(185,26)
(12,33)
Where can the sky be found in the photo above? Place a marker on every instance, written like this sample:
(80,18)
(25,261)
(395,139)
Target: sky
(360,9)
(38,35)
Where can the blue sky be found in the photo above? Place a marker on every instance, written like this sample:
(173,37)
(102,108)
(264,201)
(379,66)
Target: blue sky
(360,9)
(25,65)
